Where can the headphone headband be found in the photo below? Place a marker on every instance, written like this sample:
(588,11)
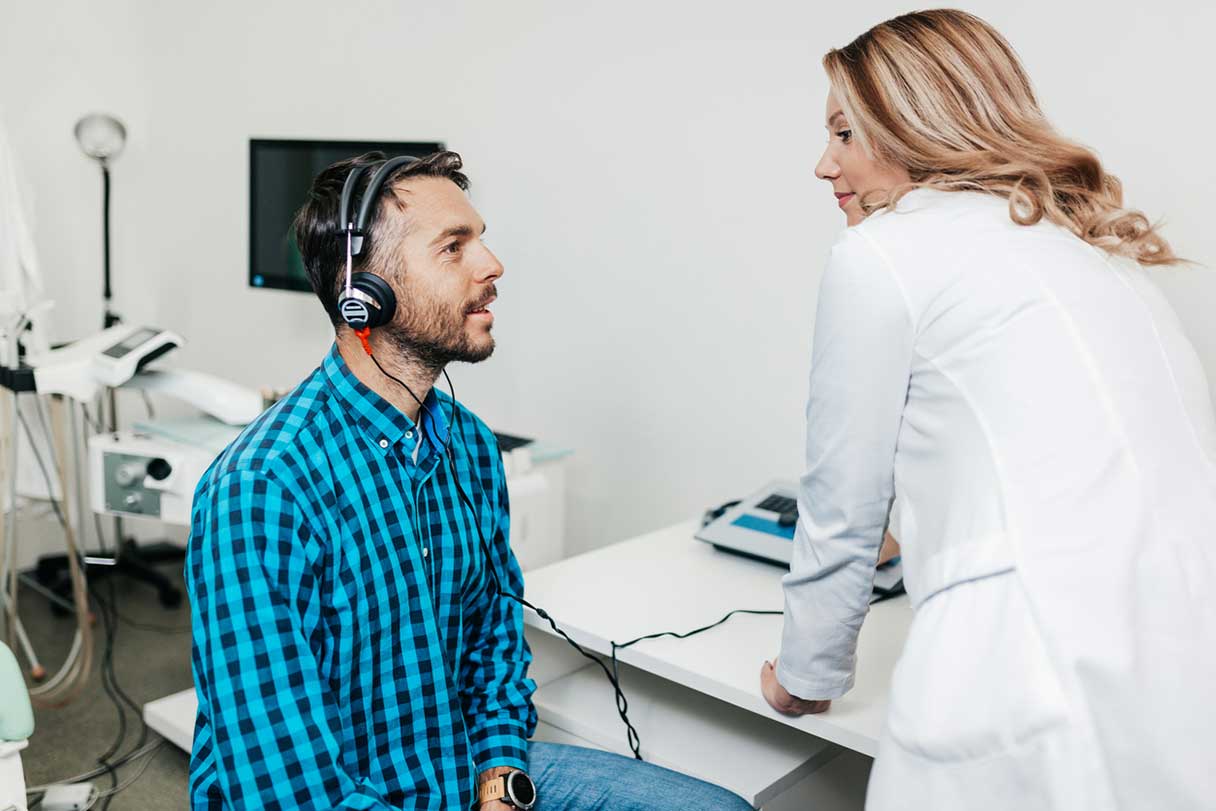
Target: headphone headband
(368,300)
(348,190)
(357,229)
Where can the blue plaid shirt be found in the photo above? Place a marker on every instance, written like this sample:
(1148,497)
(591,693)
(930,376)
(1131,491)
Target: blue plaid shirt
(348,649)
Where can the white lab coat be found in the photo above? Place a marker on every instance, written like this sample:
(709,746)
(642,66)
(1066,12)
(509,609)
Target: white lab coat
(1049,432)
(20,278)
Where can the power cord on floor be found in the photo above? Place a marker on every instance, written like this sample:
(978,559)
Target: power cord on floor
(98,772)
(106,664)
(109,678)
(106,796)
(168,630)
(110,764)
(109,615)
(148,753)
(109,636)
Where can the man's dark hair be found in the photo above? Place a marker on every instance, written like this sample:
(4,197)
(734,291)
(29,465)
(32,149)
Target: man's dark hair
(319,234)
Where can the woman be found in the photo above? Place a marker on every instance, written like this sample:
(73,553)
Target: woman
(989,348)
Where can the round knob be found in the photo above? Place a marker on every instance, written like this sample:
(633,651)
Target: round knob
(159,469)
(128,474)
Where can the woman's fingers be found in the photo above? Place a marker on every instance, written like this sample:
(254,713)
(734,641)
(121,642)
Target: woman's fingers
(780,699)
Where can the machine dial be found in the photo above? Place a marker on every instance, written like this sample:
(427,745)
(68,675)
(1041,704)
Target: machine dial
(129,474)
(159,469)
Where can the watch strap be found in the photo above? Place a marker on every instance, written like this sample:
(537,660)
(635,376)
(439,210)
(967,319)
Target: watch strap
(493,789)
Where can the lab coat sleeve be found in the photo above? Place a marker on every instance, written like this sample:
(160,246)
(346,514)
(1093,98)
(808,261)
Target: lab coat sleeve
(255,589)
(860,370)
(495,689)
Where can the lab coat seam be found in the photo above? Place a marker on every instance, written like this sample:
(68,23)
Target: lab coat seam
(1102,389)
(986,333)
(1031,742)
(998,461)
(913,329)
(889,266)
(934,589)
(1165,358)
(1103,395)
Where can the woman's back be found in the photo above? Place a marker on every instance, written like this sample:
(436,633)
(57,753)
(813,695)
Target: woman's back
(1058,365)
(1058,424)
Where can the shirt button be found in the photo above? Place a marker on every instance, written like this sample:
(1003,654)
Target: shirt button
(384,443)
(424,552)
(409,434)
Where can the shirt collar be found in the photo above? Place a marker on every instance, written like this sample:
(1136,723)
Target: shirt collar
(382,421)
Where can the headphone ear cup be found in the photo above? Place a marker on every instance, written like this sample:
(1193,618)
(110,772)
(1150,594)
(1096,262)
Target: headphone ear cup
(379,294)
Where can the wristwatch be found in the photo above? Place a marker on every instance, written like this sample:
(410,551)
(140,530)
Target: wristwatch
(514,788)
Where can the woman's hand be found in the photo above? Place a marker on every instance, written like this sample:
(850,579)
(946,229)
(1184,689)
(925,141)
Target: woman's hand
(889,549)
(780,699)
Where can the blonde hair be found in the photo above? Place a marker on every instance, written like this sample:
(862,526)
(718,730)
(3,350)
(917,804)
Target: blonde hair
(943,95)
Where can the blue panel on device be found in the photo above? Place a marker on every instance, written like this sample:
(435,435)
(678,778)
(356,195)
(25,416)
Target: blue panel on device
(759,524)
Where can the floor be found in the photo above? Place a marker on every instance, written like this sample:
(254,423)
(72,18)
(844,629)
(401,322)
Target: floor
(151,657)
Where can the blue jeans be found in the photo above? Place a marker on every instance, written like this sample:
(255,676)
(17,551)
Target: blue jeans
(571,778)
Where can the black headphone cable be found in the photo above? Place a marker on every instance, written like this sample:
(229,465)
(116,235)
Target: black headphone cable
(612,673)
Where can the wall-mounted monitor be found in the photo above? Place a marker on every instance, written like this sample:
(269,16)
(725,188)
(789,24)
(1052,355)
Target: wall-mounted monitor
(280,173)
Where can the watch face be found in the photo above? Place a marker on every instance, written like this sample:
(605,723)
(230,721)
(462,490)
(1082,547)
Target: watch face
(520,790)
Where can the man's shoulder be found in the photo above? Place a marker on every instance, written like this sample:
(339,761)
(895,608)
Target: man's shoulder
(279,444)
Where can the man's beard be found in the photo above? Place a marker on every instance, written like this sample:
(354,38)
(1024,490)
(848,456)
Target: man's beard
(434,335)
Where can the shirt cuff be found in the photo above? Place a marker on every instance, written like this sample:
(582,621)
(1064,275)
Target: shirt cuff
(499,742)
(812,689)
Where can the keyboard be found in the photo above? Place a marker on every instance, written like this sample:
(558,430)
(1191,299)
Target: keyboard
(778,504)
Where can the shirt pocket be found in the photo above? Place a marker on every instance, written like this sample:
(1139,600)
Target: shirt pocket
(975,678)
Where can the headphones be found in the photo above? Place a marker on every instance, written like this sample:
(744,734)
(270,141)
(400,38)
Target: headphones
(368,300)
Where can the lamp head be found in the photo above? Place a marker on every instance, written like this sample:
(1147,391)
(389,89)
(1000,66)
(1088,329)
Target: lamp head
(101,136)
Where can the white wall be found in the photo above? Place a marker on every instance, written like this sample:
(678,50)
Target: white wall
(646,170)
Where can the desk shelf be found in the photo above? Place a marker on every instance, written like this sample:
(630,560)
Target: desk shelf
(173,716)
(754,757)
(668,581)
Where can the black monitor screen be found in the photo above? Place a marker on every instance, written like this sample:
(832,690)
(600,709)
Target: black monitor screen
(280,173)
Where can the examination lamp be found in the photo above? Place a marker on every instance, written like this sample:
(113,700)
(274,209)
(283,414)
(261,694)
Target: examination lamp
(102,137)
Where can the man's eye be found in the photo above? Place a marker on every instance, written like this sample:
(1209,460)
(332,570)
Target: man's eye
(452,247)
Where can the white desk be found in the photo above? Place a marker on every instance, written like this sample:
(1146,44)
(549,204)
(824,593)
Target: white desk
(668,581)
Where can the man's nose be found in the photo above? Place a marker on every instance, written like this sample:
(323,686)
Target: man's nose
(491,269)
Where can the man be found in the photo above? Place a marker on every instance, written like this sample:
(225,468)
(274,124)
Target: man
(351,649)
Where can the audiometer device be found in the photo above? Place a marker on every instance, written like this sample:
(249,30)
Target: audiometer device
(759,526)
(762,525)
